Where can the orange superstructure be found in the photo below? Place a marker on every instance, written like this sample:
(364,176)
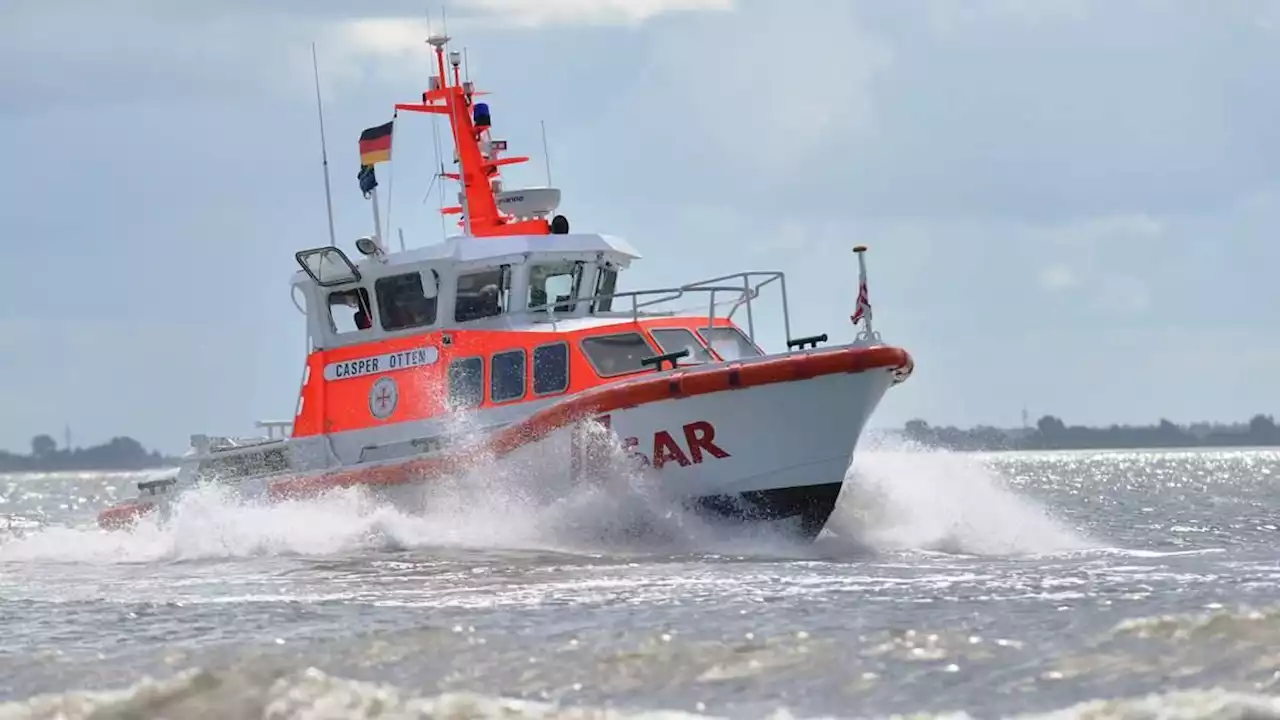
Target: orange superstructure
(339,405)
(477,152)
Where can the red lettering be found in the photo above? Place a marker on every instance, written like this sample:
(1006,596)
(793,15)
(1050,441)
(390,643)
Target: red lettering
(666,449)
(698,447)
(701,436)
(630,445)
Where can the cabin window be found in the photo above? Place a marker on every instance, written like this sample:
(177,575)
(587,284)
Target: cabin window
(555,283)
(677,339)
(550,369)
(506,376)
(606,286)
(482,294)
(617,354)
(403,302)
(729,343)
(466,383)
(350,311)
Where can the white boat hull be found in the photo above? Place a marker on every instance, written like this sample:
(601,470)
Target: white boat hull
(771,453)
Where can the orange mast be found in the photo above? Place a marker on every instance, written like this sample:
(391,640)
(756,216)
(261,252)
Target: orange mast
(477,152)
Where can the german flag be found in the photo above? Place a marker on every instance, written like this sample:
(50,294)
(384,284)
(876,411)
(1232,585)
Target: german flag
(375,144)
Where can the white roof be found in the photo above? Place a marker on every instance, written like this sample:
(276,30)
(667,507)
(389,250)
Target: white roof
(467,249)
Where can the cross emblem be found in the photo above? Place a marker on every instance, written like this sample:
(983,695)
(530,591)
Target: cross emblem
(382,398)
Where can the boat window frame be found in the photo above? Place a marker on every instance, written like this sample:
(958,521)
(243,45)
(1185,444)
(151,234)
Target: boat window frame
(523,376)
(577,271)
(364,297)
(732,328)
(504,291)
(582,345)
(710,355)
(606,287)
(383,317)
(449,383)
(533,368)
(324,252)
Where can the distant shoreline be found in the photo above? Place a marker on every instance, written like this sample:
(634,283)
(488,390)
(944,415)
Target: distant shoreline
(120,454)
(124,454)
(1051,433)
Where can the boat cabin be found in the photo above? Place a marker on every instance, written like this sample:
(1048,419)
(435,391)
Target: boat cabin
(502,282)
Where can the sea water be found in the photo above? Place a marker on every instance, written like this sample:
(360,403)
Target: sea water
(1090,583)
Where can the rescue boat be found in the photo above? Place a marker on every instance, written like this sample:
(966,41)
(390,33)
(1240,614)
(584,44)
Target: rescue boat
(518,325)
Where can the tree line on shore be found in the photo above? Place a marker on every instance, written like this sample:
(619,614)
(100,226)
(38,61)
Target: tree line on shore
(1049,433)
(120,453)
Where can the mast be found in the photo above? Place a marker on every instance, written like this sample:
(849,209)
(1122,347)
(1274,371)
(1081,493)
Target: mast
(476,151)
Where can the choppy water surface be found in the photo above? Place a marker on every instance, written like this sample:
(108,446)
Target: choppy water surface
(990,585)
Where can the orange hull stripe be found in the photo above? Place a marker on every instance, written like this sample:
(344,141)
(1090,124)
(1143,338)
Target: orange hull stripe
(609,398)
(124,514)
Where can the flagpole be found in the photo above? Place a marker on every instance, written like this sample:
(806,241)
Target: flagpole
(377,219)
(863,308)
(391,180)
(324,153)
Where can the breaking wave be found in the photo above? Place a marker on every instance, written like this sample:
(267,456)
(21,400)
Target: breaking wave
(494,506)
(903,496)
(315,695)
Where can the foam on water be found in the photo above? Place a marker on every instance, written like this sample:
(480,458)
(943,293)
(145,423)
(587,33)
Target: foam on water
(493,506)
(899,498)
(315,695)
(902,496)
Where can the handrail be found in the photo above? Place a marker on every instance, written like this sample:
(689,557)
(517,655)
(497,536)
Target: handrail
(744,294)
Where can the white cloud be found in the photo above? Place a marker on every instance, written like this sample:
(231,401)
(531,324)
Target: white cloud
(951,16)
(1090,233)
(776,89)
(385,36)
(1122,293)
(1058,277)
(1090,259)
(533,13)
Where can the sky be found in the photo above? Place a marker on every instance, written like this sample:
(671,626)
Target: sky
(1072,206)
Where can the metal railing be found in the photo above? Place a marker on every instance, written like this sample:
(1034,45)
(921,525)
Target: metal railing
(743,297)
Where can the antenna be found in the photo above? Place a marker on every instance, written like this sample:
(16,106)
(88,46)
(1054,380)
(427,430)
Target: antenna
(391,178)
(546,156)
(324,153)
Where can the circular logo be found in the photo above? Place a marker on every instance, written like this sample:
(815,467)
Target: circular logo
(383,397)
